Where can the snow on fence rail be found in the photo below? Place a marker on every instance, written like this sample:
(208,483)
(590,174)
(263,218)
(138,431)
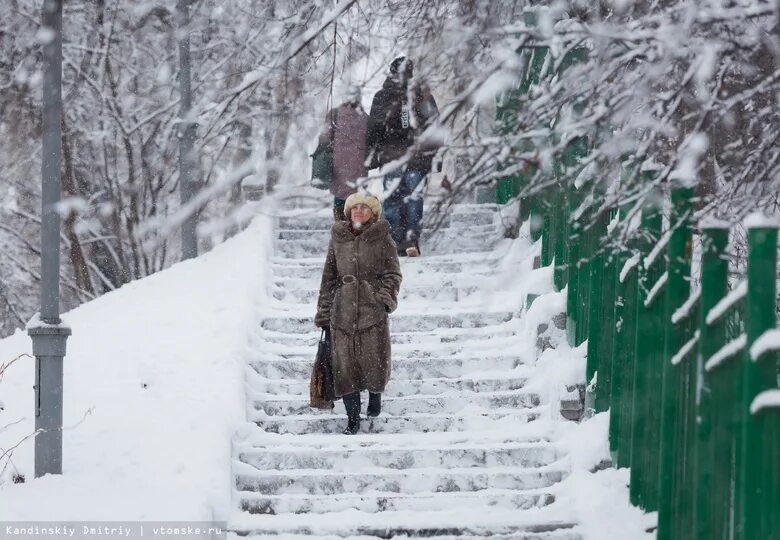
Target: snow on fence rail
(685,310)
(769,341)
(768,399)
(727,351)
(727,302)
(685,349)
(656,289)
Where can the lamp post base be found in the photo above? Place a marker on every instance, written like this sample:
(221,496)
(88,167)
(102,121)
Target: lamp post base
(49,349)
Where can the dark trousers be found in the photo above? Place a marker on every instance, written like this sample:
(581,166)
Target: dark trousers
(352,403)
(403,208)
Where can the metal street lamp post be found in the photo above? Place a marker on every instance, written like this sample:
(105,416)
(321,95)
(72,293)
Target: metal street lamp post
(188,184)
(47,331)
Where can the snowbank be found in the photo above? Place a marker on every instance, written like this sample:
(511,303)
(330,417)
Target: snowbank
(154,389)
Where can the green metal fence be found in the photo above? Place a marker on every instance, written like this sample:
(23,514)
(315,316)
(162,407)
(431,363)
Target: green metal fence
(672,364)
(688,375)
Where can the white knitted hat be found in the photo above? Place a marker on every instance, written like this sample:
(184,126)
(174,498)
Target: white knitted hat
(363,198)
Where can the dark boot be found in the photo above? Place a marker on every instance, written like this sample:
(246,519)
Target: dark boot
(352,404)
(374,404)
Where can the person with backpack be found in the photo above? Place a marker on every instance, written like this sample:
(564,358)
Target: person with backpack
(401,112)
(345,131)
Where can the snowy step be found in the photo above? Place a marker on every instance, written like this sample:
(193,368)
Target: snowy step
(439,294)
(298,368)
(325,422)
(418,338)
(467,348)
(312,269)
(519,454)
(399,406)
(322,236)
(322,222)
(400,322)
(397,387)
(320,504)
(455,524)
(294,249)
(414,278)
(454,217)
(421,480)
(568,533)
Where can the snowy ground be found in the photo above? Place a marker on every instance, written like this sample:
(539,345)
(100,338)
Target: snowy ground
(155,389)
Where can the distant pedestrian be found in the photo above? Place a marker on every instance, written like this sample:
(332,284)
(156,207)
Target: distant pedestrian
(359,288)
(346,127)
(400,113)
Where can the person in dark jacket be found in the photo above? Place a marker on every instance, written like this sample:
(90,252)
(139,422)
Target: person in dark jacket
(401,112)
(359,288)
(346,126)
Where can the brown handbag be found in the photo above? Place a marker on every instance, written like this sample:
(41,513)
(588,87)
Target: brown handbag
(321,392)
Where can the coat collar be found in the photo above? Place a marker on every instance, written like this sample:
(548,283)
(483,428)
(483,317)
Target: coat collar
(341,233)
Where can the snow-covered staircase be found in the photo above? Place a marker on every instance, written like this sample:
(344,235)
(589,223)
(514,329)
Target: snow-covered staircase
(461,449)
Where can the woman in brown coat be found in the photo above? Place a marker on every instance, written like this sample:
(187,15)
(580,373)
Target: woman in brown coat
(359,289)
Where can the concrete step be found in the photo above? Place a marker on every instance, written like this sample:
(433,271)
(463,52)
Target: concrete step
(298,368)
(413,277)
(393,502)
(396,387)
(491,348)
(312,268)
(446,335)
(322,235)
(322,222)
(422,480)
(436,294)
(400,322)
(453,402)
(455,524)
(465,454)
(406,533)
(453,217)
(326,422)
(298,249)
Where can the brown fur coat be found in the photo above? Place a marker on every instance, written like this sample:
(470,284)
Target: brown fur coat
(356,309)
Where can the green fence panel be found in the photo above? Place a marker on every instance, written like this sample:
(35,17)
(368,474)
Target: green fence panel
(603,400)
(550,227)
(769,520)
(573,286)
(508,109)
(618,361)
(714,285)
(673,515)
(625,348)
(561,242)
(755,487)
(600,319)
(648,354)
